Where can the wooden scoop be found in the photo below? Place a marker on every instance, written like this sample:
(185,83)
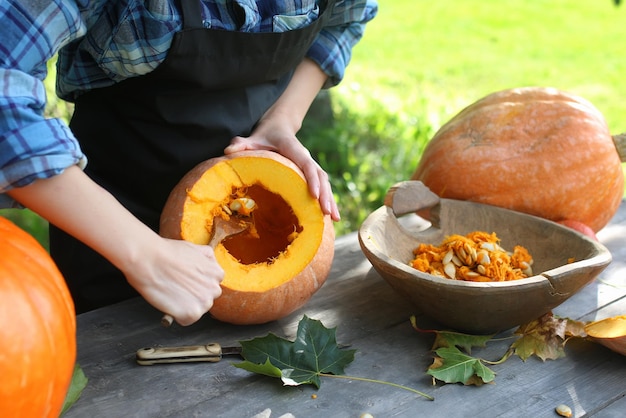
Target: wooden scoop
(222,229)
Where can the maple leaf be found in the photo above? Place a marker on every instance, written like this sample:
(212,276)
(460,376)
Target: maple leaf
(545,337)
(313,353)
(453,339)
(457,339)
(453,366)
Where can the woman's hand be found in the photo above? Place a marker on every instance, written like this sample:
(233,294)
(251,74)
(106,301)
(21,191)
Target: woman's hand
(276,131)
(177,277)
(272,134)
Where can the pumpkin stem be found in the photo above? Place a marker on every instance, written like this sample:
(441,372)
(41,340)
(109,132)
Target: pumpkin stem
(620,144)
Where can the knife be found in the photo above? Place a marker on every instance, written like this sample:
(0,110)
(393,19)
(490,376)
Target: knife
(185,354)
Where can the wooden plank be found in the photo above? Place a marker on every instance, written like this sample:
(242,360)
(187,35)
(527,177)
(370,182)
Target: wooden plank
(372,319)
(615,409)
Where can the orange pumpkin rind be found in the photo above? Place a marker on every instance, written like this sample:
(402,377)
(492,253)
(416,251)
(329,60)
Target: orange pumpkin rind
(535,150)
(38,331)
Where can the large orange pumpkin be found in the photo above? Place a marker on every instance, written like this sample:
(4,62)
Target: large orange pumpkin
(535,150)
(271,269)
(38,332)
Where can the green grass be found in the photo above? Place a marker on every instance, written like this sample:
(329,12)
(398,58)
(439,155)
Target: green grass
(450,53)
(421,62)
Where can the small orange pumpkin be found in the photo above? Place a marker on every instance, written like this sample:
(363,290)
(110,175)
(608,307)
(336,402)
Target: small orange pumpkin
(535,150)
(273,268)
(38,330)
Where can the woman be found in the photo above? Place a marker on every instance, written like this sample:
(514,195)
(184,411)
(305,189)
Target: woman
(158,86)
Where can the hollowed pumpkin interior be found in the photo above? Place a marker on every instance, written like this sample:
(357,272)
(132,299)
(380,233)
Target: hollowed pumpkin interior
(287,227)
(274,225)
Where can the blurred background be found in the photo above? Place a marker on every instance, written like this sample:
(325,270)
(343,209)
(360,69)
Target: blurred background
(420,63)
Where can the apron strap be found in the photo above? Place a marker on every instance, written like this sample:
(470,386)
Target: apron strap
(192,14)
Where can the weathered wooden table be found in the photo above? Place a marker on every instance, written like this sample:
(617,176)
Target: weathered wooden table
(372,319)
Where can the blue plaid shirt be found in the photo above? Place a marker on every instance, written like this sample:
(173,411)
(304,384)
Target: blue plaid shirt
(101,42)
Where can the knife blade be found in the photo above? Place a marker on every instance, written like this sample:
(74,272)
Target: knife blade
(212,352)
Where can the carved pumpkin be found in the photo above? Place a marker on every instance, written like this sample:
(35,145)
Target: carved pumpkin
(535,150)
(38,330)
(273,268)
(610,332)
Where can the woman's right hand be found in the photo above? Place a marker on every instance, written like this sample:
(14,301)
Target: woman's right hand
(179,278)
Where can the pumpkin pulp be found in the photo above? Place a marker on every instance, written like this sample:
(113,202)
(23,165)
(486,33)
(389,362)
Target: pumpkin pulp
(273,224)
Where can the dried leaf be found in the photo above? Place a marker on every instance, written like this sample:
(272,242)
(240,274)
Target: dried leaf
(546,336)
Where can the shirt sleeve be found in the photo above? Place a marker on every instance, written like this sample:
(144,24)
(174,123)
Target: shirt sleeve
(332,49)
(31,146)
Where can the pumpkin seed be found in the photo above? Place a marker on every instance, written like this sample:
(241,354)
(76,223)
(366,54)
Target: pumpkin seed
(470,274)
(460,252)
(563,410)
(471,253)
(483,257)
(526,269)
(243,204)
(450,270)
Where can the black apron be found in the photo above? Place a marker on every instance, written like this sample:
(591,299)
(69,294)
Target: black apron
(143,134)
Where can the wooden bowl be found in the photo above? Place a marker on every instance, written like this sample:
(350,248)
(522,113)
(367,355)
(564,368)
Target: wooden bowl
(478,308)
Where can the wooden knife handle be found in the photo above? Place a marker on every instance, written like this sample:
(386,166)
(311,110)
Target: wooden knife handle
(184,354)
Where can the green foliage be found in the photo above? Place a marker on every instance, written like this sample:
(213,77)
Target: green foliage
(78,384)
(55,107)
(313,353)
(364,152)
(451,53)
(454,367)
(451,339)
(29,222)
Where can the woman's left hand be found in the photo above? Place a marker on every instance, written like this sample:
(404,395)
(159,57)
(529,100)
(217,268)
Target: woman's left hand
(271,134)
